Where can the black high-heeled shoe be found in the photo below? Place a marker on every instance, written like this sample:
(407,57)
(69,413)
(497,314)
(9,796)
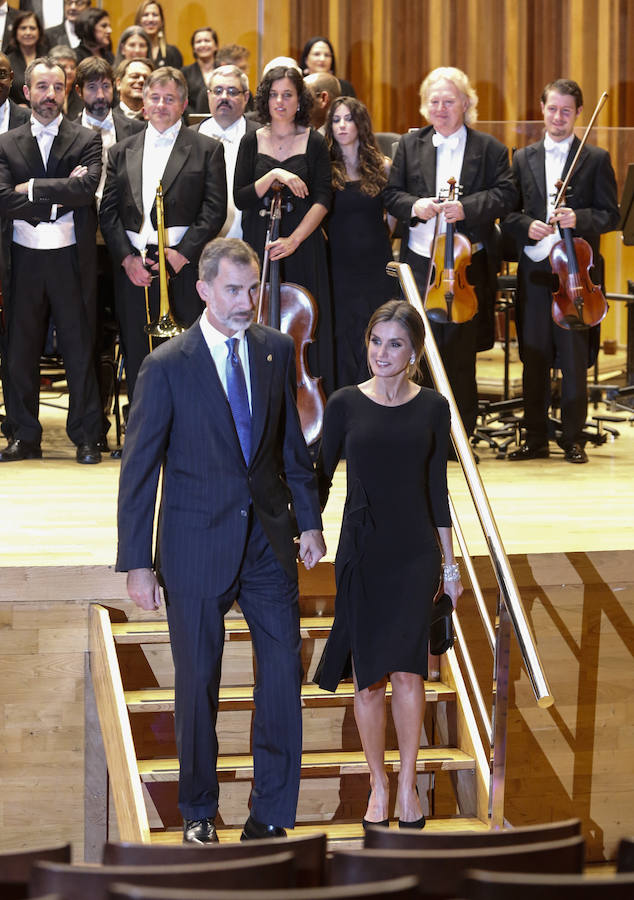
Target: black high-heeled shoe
(384,823)
(417,824)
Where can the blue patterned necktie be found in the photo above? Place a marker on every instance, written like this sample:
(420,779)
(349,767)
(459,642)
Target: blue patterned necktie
(238,397)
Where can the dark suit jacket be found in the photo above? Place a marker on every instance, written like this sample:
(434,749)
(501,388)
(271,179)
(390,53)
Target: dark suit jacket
(181,420)
(123,127)
(20,160)
(592,193)
(57,36)
(8,28)
(18,115)
(194,193)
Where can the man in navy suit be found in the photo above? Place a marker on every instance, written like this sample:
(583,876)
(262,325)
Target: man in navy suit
(590,210)
(215,409)
(423,163)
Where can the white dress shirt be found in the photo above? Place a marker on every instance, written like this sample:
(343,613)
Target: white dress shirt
(215,341)
(5,112)
(449,158)
(157,147)
(52,13)
(230,138)
(105,127)
(556,154)
(3,21)
(69,28)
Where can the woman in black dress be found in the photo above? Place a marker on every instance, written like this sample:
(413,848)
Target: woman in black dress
(287,151)
(149,16)
(27,42)
(359,240)
(94,31)
(394,436)
(204,43)
(318,55)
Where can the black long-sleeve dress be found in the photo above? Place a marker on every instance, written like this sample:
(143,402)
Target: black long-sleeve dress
(388,559)
(307,266)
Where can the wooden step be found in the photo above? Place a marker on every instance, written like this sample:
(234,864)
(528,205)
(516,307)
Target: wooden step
(236,629)
(320,764)
(241,697)
(337,832)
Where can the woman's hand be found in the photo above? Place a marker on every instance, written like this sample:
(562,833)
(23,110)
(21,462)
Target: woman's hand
(283,246)
(453,589)
(293,182)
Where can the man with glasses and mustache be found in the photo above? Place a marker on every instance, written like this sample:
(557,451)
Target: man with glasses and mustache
(228,95)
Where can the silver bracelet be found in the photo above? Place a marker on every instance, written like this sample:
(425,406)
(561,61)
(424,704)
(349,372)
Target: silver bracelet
(451,572)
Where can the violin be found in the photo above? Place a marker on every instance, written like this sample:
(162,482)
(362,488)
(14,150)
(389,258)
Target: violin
(578,303)
(292,309)
(450,296)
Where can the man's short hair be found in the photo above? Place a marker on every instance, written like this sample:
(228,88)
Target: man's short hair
(122,68)
(93,68)
(324,81)
(162,75)
(231,53)
(62,51)
(564,86)
(236,251)
(229,72)
(45,61)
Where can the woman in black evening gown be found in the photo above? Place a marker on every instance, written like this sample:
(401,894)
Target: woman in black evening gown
(359,240)
(394,435)
(287,151)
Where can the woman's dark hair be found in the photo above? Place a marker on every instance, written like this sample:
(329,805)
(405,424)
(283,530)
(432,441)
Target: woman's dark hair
(408,317)
(212,32)
(129,32)
(305,97)
(42,41)
(308,46)
(371,160)
(86,23)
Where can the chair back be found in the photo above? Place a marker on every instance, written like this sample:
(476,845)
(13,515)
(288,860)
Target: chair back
(440,872)
(625,855)
(81,882)
(404,888)
(16,865)
(500,886)
(400,839)
(387,141)
(309,854)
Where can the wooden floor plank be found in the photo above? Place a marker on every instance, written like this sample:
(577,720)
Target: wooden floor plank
(235,629)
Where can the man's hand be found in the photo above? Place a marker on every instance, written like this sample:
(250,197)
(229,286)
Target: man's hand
(175,259)
(79,172)
(311,547)
(143,588)
(538,230)
(22,188)
(136,271)
(426,208)
(564,217)
(453,210)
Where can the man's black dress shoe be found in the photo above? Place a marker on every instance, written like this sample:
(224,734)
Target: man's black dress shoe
(199,831)
(17,449)
(254,830)
(525,451)
(575,454)
(89,454)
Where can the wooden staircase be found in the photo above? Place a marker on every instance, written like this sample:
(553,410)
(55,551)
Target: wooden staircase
(132,677)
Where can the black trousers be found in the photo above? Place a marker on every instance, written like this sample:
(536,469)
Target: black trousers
(269,601)
(44,282)
(544,344)
(185,305)
(457,344)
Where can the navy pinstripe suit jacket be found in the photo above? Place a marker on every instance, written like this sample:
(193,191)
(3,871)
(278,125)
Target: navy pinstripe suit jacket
(181,421)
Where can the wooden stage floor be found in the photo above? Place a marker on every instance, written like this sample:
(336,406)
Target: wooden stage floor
(55,512)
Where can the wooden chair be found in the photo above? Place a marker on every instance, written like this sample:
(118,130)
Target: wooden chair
(404,888)
(625,855)
(500,886)
(15,868)
(400,839)
(81,882)
(440,872)
(309,853)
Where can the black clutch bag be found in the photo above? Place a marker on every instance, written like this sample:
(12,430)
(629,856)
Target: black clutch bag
(441,626)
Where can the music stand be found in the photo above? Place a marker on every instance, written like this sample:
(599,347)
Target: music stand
(626,225)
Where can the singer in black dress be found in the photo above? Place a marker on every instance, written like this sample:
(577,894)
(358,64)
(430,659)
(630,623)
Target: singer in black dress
(287,151)
(394,435)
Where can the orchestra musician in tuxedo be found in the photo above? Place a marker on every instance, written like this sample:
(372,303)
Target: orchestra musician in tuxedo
(423,163)
(590,209)
(49,171)
(215,409)
(191,169)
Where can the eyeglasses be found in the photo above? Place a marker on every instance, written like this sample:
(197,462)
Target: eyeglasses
(4,74)
(218,91)
(78,3)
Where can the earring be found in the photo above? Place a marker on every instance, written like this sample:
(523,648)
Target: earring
(412,360)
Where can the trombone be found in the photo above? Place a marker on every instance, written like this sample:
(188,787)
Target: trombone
(165,326)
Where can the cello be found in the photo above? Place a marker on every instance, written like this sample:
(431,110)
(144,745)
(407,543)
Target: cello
(292,309)
(578,303)
(450,296)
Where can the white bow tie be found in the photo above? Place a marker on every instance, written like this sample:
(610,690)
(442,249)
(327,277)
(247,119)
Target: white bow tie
(560,149)
(450,142)
(105,125)
(37,129)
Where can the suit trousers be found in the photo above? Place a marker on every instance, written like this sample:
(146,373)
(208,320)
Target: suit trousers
(185,305)
(456,343)
(269,601)
(43,282)
(544,344)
